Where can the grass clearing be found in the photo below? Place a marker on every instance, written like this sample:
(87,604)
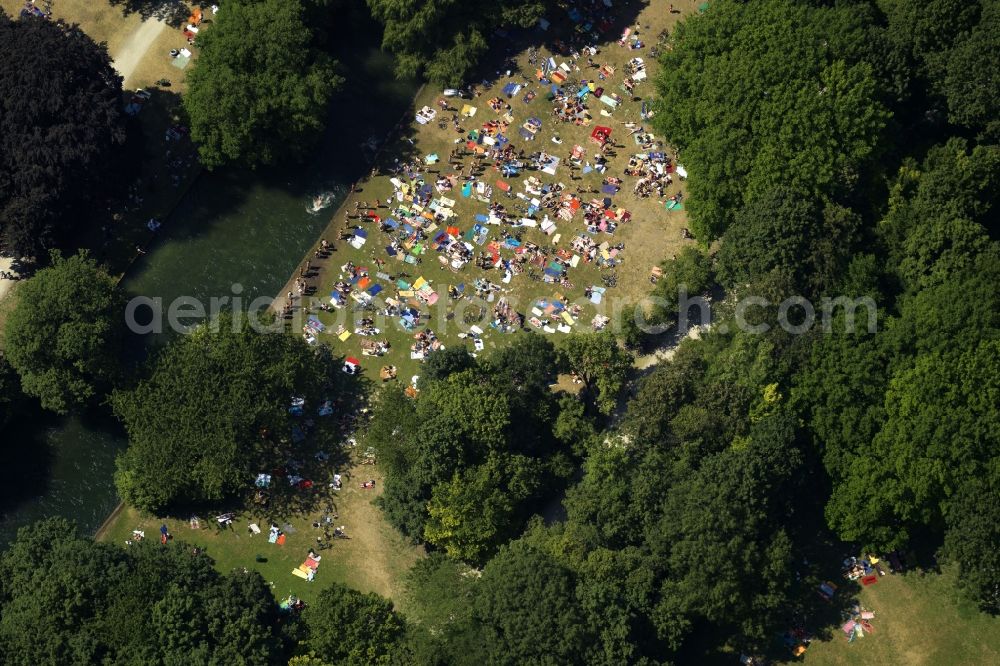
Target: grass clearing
(110,24)
(157,64)
(373,558)
(98,18)
(919,621)
(653,234)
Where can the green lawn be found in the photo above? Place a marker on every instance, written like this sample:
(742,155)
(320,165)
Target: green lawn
(373,558)
(919,620)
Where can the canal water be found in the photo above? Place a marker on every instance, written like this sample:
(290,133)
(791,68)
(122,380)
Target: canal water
(233,227)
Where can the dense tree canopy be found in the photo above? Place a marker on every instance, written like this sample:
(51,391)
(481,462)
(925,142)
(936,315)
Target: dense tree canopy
(258,100)
(706,468)
(973,519)
(972,76)
(780,231)
(477,509)
(65,599)
(952,48)
(528,610)
(64,336)
(767,94)
(445,39)
(905,420)
(10,390)
(447,361)
(443,593)
(638,521)
(940,430)
(688,275)
(349,627)
(466,460)
(600,363)
(733,514)
(61,131)
(228,387)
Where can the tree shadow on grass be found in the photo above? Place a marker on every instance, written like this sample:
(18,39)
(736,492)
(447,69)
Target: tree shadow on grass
(301,471)
(172,12)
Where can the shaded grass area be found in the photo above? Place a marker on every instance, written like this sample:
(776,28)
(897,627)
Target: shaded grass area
(114,22)
(98,18)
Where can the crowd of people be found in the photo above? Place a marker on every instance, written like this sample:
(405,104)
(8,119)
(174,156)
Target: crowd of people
(516,236)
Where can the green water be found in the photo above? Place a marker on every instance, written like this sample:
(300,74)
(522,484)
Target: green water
(232,227)
(63,468)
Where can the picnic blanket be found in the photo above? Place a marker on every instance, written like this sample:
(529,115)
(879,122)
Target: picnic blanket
(512,89)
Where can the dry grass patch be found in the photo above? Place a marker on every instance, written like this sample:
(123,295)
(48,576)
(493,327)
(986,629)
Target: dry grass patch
(157,63)
(101,21)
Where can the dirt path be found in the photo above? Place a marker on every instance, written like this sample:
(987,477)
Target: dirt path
(135,47)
